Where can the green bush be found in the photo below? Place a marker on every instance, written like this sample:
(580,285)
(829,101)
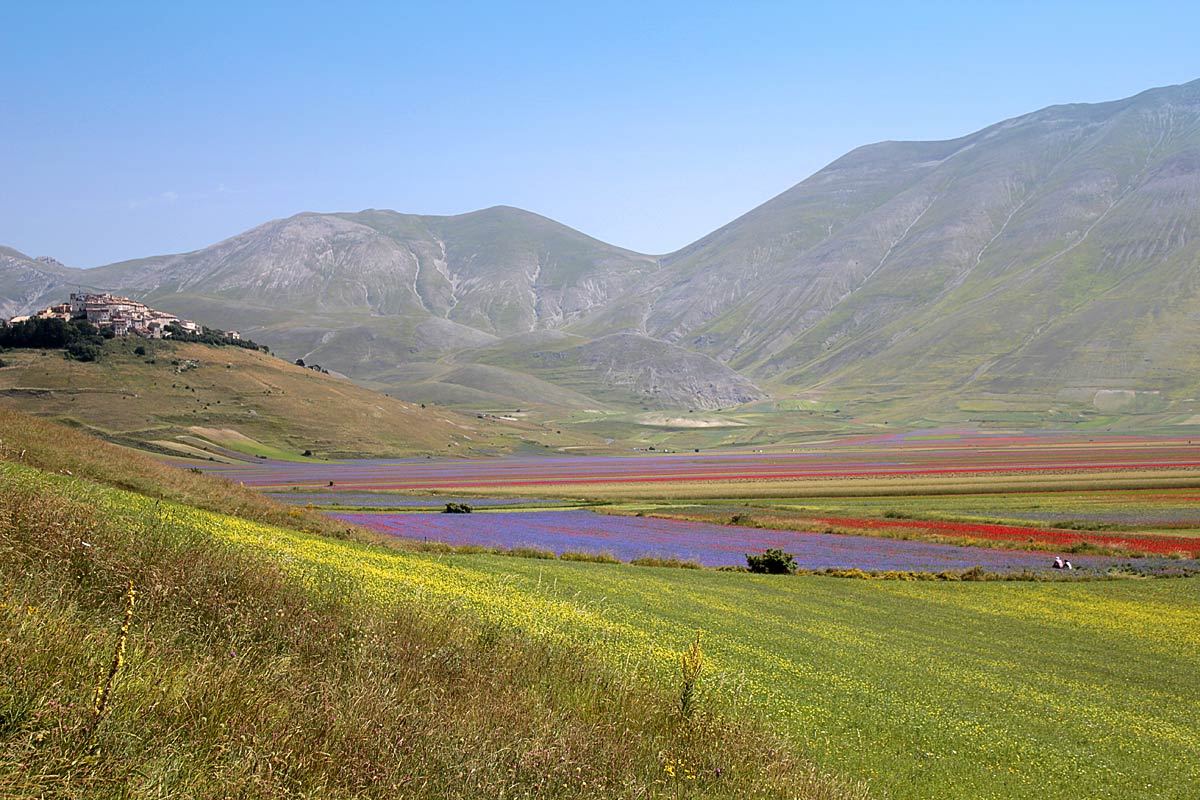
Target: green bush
(84,350)
(773,562)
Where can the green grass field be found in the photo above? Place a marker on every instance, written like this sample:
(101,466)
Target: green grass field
(964,690)
(924,689)
(445,675)
(154,649)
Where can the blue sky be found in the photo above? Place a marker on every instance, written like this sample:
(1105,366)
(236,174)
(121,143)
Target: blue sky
(132,129)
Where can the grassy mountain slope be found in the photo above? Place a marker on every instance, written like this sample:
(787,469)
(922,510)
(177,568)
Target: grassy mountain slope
(622,369)
(1047,253)
(227,671)
(193,399)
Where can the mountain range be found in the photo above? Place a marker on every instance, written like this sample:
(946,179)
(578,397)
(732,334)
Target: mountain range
(1048,260)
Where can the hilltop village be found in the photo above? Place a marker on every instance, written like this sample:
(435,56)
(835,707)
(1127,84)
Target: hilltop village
(120,315)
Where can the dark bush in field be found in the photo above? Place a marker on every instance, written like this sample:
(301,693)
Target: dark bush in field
(773,562)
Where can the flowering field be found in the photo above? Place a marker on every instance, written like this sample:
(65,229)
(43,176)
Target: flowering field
(953,690)
(962,532)
(1164,511)
(1011,457)
(1159,545)
(1123,494)
(628,538)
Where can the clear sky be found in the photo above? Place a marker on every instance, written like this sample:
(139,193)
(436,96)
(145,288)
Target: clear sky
(132,129)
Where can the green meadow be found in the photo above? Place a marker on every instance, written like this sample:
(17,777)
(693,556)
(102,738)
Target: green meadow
(968,690)
(926,689)
(276,653)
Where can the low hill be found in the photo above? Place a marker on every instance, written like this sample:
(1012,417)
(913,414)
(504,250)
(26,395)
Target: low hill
(203,401)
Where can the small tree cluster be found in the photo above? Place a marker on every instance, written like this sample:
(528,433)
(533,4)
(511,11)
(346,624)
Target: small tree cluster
(213,336)
(79,338)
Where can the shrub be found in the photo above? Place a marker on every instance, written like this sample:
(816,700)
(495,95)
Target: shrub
(528,552)
(598,558)
(975,573)
(653,561)
(773,562)
(83,350)
(456,508)
(80,339)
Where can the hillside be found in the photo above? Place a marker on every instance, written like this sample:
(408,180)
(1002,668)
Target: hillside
(1044,262)
(1048,256)
(219,402)
(259,660)
(154,646)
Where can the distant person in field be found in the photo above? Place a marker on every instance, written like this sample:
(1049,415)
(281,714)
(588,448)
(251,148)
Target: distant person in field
(1068,566)
(1058,562)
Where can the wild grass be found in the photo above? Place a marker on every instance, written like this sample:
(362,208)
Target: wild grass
(52,447)
(950,686)
(595,558)
(674,563)
(235,679)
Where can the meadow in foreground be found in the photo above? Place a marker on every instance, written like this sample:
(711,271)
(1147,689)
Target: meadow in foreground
(949,690)
(1001,690)
(259,661)
(529,677)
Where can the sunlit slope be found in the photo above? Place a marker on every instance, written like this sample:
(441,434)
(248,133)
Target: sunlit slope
(1046,256)
(185,398)
(929,689)
(421,284)
(225,670)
